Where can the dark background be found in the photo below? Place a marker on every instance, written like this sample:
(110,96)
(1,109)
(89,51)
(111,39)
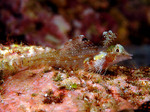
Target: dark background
(53,22)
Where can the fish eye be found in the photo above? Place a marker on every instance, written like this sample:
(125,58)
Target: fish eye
(84,39)
(117,50)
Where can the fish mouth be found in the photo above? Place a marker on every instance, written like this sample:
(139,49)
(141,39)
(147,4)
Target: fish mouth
(127,55)
(123,57)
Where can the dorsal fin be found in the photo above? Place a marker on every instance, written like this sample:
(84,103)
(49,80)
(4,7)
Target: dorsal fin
(79,46)
(109,38)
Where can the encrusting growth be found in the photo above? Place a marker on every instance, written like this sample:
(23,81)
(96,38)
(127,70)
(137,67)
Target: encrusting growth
(77,53)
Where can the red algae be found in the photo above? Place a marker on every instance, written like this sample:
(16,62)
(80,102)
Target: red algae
(27,92)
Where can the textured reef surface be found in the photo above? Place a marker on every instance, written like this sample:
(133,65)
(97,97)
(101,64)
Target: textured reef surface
(44,88)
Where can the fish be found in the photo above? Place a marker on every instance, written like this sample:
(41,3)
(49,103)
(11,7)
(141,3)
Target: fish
(104,59)
(77,53)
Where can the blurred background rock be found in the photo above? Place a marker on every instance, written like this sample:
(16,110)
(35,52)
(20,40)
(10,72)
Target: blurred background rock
(53,22)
